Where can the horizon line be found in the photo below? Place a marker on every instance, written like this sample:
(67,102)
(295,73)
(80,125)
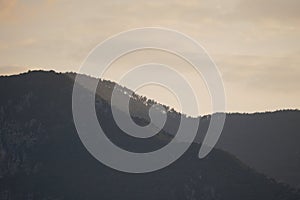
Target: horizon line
(102,79)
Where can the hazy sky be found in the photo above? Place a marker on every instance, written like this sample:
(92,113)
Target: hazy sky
(255,43)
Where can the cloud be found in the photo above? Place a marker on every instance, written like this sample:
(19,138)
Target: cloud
(20,10)
(262,73)
(255,42)
(6,8)
(271,9)
(8,70)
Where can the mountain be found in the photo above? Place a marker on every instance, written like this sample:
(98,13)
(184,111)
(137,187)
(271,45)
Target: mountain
(42,157)
(267,142)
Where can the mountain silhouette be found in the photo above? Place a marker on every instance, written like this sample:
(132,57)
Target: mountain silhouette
(267,142)
(42,157)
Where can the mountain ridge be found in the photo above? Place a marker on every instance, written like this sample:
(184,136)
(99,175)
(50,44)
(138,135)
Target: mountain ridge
(42,156)
(107,80)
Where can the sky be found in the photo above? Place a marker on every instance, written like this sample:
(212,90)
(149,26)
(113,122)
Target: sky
(255,43)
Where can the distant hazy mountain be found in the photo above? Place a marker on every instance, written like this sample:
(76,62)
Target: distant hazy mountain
(268,142)
(42,157)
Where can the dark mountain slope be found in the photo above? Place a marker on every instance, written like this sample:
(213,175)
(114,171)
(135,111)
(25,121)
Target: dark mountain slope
(270,144)
(267,142)
(42,157)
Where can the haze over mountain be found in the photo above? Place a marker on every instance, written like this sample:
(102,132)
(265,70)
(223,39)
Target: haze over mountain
(42,157)
(267,142)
